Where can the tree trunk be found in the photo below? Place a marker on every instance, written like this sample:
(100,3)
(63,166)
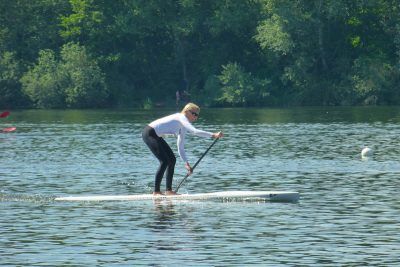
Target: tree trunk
(321,38)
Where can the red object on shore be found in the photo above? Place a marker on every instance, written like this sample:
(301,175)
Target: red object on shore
(4,114)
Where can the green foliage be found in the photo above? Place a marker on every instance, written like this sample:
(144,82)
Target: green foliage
(10,88)
(43,83)
(211,92)
(231,16)
(26,27)
(148,104)
(372,77)
(73,81)
(271,35)
(85,84)
(397,44)
(240,88)
(83,18)
(328,52)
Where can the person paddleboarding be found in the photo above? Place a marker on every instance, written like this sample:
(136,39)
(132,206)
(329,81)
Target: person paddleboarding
(177,124)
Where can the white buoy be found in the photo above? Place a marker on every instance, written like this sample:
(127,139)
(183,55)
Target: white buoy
(366,152)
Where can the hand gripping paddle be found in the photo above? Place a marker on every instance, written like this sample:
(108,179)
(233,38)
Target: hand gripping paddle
(194,166)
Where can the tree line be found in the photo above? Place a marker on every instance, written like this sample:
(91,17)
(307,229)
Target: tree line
(138,53)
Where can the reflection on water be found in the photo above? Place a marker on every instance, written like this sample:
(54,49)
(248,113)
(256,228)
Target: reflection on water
(347,214)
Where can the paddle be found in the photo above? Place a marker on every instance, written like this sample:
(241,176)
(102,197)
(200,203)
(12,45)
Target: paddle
(194,166)
(9,129)
(4,114)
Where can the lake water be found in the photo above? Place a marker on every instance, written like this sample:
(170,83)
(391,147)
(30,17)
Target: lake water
(347,215)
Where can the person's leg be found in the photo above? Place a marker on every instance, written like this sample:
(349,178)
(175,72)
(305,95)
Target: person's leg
(170,160)
(159,176)
(155,145)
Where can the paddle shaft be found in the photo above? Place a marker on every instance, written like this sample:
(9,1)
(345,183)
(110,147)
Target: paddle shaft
(194,166)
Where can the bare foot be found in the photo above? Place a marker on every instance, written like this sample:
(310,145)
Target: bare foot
(170,193)
(158,193)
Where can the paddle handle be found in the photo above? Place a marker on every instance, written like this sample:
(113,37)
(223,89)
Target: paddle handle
(197,162)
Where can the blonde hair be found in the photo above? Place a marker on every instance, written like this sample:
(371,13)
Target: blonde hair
(190,106)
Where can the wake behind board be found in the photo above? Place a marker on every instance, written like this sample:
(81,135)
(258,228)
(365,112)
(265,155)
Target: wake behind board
(278,196)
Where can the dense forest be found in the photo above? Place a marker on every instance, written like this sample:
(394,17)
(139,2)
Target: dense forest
(138,53)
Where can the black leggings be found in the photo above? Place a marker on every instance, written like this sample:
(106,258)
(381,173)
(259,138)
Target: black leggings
(163,153)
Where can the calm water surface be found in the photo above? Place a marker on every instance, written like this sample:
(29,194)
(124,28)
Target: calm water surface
(348,214)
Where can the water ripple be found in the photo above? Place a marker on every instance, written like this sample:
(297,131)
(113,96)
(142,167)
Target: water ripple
(347,214)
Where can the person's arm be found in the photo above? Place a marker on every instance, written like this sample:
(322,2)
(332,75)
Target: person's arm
(190,128)
(181,145)
(181,150)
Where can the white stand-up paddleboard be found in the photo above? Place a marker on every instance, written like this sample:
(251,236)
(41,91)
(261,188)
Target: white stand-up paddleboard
(279,196)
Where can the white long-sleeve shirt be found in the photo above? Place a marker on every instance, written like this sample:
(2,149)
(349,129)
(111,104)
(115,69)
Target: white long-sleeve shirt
(177,124)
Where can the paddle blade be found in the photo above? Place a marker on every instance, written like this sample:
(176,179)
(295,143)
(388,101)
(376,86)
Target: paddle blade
(4,114)
(9,129)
